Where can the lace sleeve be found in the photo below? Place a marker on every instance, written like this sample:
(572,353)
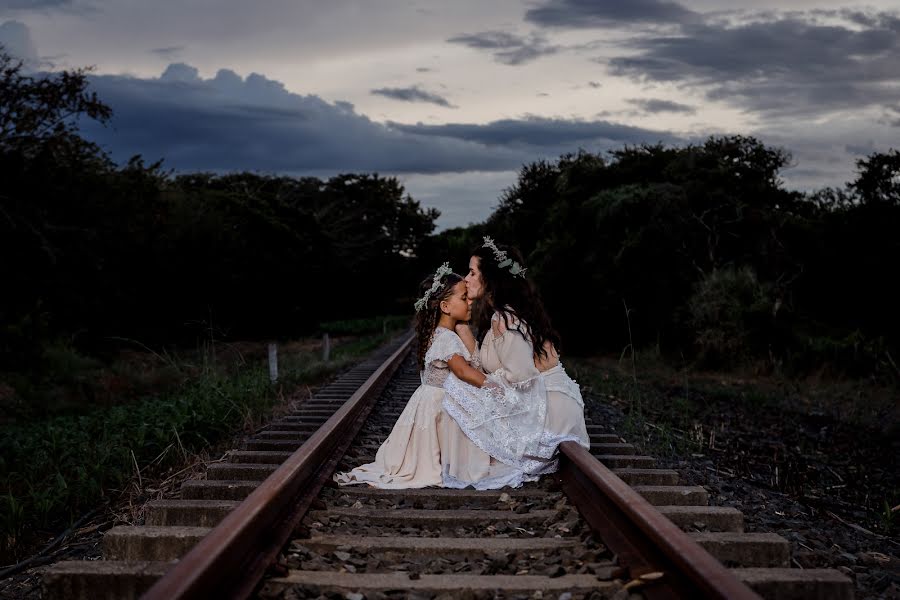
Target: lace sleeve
(444,345)
(505,421)
(476,357)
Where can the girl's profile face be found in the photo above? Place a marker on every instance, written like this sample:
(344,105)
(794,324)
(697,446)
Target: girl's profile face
(457,305)
(474,283)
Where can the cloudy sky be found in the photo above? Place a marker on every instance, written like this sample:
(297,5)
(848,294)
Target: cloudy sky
(453,97)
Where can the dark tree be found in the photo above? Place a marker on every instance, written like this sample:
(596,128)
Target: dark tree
(878,181)
(39,110)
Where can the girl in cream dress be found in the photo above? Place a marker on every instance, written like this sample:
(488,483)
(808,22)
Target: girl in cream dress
(425,442)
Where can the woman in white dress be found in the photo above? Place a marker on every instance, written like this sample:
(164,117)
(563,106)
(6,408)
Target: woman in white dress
(519,347)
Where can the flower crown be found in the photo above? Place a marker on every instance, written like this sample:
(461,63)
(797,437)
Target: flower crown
(444,269)
(515,268)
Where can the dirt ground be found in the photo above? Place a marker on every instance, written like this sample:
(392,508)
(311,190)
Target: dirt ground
(816,462)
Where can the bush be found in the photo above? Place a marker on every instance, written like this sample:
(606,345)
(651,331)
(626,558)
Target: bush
(852,355)
(726,311)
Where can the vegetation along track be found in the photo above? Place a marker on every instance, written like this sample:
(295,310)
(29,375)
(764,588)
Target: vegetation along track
(269,523)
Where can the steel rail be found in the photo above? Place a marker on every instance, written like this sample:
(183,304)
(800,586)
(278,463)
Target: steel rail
(643,539)
(232,559)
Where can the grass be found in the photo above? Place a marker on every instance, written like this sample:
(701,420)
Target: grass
(364,326)
(57,463)
(635,389)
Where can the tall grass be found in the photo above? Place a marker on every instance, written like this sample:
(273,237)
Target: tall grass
(366,326)
(55,468)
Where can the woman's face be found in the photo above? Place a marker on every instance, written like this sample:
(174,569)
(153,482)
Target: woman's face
(474,283)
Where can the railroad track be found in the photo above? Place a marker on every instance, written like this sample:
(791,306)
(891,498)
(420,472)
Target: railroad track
(269,524)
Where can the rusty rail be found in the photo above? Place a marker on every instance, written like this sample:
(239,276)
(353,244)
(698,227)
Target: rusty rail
(231,560)
(643,539)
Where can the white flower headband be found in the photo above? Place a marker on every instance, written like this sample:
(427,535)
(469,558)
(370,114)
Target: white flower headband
(444,269)
(515,268)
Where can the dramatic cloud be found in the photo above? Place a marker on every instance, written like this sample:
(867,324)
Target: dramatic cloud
(788,66)
(187,74)
(796,73)
(507,48)
(412,94)
(32,4)
(606,13)
(232,123)
(655,105)
(168,52)
(537,132)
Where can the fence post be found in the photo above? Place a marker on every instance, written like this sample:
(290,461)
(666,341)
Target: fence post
(326,348)
(273,362)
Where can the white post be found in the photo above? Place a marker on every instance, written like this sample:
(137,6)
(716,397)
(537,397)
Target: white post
(273,362)
(326,348)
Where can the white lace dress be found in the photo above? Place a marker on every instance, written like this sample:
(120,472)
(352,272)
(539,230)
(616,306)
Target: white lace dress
(522,420)
(509,351)
(425,446)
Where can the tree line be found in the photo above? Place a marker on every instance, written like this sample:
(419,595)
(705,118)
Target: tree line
(699,251)
(96,251)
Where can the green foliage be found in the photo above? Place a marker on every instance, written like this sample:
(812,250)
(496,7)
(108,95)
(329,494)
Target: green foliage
(53,468)
(879,179)
(132,251)
(713,257)
(728,308)
(889,518)
(366,326)
(36,113)
(164,260)
(66,362)
(57,467)
(851,353)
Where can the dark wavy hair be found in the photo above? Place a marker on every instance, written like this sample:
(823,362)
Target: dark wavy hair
(427,318)
(511,296)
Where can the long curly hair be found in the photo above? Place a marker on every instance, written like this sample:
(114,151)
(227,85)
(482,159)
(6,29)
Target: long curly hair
(512,296)
(427,318)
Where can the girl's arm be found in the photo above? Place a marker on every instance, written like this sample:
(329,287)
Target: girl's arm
(465,372)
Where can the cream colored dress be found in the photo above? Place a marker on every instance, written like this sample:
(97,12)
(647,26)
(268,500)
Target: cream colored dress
(510,353)
(426,447)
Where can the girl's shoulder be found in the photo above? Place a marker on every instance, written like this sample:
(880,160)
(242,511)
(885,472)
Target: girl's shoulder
(444,332)
(444,344)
